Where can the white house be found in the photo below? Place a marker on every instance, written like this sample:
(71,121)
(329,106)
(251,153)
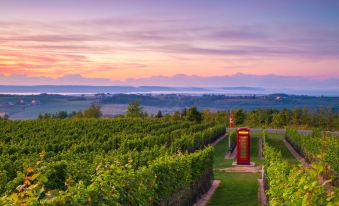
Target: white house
(3,115)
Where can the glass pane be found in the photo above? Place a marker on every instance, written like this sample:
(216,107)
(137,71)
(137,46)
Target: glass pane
(243,146)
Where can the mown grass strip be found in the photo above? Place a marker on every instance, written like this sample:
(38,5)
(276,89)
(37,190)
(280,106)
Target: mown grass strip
(276,141)
(235,188)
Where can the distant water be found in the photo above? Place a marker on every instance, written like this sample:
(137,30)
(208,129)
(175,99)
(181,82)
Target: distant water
(91,90)
(191,93)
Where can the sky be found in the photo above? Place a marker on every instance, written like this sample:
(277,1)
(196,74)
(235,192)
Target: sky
(120,40)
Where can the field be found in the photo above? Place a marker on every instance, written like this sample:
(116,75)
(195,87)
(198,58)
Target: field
(314,181)
(78,162)
(21,107)
(155,161)
(169,103)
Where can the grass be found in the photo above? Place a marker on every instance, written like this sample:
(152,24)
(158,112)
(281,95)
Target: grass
(219,155)
(235,188)
(276,141)
(33,112)
(255,151)
(221,150)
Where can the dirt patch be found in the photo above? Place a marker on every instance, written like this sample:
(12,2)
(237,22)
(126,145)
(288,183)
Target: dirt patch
(242,169)
(296,154)
(261,193)
(204,199)
(231,155)
(218,140)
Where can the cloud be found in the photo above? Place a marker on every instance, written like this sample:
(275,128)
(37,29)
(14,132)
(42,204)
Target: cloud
(73,79)
(102,45)
(50,38)
(243,33)
(252,51)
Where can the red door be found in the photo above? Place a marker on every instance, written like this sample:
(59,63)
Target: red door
(243,146)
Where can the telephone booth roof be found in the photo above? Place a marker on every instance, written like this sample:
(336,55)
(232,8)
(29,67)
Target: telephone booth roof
(243,128)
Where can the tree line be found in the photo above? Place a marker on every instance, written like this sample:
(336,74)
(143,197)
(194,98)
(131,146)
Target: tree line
(93,111)
(324,118)
(303,118)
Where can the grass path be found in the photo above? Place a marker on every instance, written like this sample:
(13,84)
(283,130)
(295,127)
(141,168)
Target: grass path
(235,188)
(276,141)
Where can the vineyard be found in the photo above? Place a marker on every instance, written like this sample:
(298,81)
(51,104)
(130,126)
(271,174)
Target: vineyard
(289,183)
(316,147)
(158,161)
(121,161)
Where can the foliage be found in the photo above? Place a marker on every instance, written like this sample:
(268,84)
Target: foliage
(325,119)
(92,111)
(296,185)
(316,147)
(32,189)
(121,161)
(239,116)
(175,116)
(281,118)
(134,109)
(206,115)
(193,114)
(159,114)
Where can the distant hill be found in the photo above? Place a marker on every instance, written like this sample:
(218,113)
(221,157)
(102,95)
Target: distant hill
(258,84)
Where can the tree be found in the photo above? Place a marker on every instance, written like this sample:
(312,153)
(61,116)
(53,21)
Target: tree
(193,114)
(72,114)
(238,117)
(265,116)
(134,109)
(222,117)
(79,114)
(61,115)
(296,116)
(159,114)
(206,115)
(253,119)
(305,117)
(320,118)
(176,116)
(44,116)
(183,113)
(92,112)
(330,119)
(281,119)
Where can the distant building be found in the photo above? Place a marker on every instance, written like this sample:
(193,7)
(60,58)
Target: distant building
(35,102)
(3,115)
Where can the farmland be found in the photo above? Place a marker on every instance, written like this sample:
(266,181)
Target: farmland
(79,161)
(314,181)
(169,103)
(157,161)
(21,107)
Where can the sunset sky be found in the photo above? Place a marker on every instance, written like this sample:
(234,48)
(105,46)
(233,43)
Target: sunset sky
(141,38)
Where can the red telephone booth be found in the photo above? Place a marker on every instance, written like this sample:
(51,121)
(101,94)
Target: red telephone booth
(243,146)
